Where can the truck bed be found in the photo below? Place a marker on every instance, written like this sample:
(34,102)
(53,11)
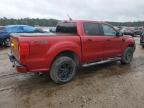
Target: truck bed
(42,48)
(41,34)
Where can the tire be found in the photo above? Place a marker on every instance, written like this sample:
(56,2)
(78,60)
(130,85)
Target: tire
(63,70)
(6,42)
(127,56)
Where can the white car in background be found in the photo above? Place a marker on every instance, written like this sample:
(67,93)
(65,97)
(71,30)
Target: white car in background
(47,29)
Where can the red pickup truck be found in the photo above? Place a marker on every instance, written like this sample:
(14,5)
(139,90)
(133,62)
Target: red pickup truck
(74,44)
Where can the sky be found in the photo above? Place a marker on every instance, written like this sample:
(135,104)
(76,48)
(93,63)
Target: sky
(100,10)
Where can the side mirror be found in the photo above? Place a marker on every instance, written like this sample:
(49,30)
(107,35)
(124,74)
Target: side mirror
(119,34)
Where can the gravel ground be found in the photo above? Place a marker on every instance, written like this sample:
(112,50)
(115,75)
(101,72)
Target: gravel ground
(109,85)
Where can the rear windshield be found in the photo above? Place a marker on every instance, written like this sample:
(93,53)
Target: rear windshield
(66,27)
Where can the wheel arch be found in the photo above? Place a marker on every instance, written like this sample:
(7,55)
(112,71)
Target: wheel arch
(131,45)
(68,53)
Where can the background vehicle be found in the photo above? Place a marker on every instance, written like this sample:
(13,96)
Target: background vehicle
(1,27)
(74,44)
(7,30)
(133,31)
(142,39)
(128,31)
(139,30)
(47,29)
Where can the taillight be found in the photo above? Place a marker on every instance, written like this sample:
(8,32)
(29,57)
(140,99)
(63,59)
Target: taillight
(24,49)
(14,44)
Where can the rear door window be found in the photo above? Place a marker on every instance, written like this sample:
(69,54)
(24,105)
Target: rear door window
(92,29)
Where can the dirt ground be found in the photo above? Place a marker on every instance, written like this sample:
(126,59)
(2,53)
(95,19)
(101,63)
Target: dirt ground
(109,85)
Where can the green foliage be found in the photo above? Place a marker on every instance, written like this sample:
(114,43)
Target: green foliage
(53,22)
(28,21)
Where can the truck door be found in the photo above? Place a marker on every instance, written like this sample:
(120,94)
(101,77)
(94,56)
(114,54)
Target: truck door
(93,42)
(114,44)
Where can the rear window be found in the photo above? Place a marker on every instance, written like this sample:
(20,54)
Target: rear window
(67,27)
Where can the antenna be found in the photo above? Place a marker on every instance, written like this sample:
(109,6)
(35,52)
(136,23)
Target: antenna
(69,17)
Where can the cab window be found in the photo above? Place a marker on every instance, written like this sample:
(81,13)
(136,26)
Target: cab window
(66,27)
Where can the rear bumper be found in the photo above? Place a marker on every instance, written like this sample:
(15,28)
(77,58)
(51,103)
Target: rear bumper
(17,65)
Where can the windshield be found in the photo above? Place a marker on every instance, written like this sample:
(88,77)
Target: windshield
(66,27)
(28,29)
(21,29)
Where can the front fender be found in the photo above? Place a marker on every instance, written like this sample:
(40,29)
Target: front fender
(130,42)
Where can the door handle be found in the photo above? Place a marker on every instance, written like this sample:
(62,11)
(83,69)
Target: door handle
(89,40)
(108,40)
(123,39)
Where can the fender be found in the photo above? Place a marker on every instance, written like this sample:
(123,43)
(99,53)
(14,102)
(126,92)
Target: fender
(129,42)
(60,47)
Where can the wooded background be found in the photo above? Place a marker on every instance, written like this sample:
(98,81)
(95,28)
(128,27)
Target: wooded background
(53,22)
